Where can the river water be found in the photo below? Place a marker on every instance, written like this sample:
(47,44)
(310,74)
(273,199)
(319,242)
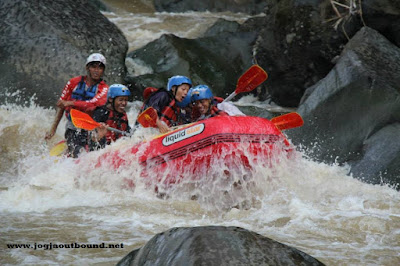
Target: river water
(312,206)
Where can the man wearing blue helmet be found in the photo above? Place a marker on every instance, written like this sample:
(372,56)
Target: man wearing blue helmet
(168,103)
(186,107)
(204,104)
(111,115)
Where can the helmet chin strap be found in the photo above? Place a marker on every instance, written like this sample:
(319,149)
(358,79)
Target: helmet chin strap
(176,91)
(209,105)
(113,104)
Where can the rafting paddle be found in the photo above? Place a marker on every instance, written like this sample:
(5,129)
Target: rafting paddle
(148,117)
(250,80)
(287,121)
(84,121)
(59,149)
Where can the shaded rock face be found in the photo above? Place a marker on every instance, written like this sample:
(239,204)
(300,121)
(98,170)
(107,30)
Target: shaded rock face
(297,47)
(244,6)
(44,43)
(380,162)
(298,43)
(215,245)
(347,112)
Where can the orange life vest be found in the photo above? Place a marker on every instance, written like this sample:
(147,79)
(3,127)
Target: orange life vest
(170,114)
(118,122)
(215,112)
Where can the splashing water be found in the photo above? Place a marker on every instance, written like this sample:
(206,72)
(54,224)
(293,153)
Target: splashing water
(312,206)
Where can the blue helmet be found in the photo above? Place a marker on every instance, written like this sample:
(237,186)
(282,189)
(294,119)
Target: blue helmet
(185,102)
(116,90)
(201,92)
(178,80)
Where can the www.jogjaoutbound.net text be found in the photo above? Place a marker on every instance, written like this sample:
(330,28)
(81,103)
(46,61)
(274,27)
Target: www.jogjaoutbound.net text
(51,246)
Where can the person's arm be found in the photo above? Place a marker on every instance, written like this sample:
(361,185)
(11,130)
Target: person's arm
(98,100)
(158,102)
(99,133)
(65,97)
(164,128)
(57,119)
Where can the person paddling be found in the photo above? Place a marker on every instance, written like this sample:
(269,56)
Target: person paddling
(166,102)
(112,115)
(204,103)
(84,93)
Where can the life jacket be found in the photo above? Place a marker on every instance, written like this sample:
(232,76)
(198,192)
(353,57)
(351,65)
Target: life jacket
(169,114)
(216,112)
(80,93)
(116,120)
(148,92)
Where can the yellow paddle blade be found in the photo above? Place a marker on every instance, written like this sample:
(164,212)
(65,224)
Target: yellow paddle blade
(59,149)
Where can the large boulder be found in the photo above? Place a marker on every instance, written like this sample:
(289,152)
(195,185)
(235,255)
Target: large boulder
(215,245)
(380,162)
(297,47)
(46,42)
(347,112)
(301,39)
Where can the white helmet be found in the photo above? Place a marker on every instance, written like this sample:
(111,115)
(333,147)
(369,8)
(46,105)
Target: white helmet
(96,57)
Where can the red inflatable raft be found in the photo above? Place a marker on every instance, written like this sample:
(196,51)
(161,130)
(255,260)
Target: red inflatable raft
(224,142)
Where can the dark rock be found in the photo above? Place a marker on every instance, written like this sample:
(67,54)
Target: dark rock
(380,163)
(383,16)
(358,98)
(221,26)
(297,47)
(215,245)
(100,5)
(244,6)
(45,43)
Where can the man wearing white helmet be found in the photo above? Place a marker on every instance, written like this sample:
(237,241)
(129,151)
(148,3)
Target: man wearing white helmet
(84,93)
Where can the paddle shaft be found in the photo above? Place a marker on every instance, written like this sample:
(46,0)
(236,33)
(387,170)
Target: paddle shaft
(119,131)
(233,94)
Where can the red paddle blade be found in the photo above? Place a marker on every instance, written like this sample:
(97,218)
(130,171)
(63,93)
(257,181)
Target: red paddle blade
(251,79)
(83,120)
(148,117)
(287,121)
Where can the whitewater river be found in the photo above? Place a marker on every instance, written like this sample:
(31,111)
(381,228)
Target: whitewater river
(314,207)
